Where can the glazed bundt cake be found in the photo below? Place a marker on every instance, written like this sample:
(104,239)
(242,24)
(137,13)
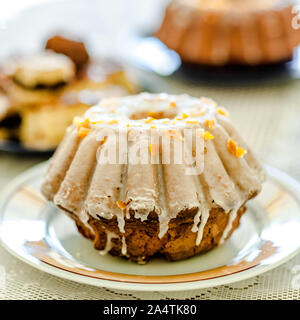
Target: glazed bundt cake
(220,32)
(154,174)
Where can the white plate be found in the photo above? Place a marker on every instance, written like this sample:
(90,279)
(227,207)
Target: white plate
(39,234)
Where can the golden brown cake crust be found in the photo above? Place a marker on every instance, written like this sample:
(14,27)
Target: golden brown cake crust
(142,237)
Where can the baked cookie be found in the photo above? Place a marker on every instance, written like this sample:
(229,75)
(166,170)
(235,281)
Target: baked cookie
(74,49)
(46,69)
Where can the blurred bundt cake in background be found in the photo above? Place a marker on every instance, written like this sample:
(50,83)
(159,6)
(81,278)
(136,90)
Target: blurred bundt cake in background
(221,32)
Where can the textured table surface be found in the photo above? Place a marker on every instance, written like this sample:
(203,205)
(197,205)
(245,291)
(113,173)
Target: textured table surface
(269,118)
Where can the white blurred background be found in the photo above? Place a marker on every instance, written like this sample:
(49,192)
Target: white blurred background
(101,23)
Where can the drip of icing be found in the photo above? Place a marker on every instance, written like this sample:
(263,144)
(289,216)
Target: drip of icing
(201,217)
(84,218)
(121,212)
(204,218)
(163,220)
(124,246)
(196,221)
(123,111)
(163,224)
(108,246)
(232,217)
(203,211)
(121,221)
(142,212)
(141,200)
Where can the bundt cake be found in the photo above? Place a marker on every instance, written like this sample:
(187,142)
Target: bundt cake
(221,32)
(153,174)
(72,48)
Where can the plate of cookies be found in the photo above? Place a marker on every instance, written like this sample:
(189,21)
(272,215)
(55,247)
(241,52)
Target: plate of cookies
(41,93)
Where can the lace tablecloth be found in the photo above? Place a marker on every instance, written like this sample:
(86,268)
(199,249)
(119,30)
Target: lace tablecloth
(269,118)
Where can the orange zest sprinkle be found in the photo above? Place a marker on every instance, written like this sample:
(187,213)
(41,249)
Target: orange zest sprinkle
(98,122)
(208,101)
(152,127)
(172,104)
(148,120)
(77,120)
(210,123)
(191,121)
(81,123)
(222,111)
(197,114)
(231,146)
(83,132)
(240,152)
(208,136)
(121,204)
(103,141)
(114,121)
(234,149)
(153,114)
(85,123)
(184,116)
(171,133)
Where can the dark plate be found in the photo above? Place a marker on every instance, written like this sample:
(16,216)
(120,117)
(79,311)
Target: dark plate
(151,55)
(17,148)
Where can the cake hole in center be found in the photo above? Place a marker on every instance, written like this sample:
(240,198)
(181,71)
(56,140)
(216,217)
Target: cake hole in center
(155,114)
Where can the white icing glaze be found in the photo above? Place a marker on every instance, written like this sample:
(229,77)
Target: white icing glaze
(204,218)
(163,188)
(84,218)
(121,220)
(109,245)
(203,212)
(125,110)
(162,216)
(124,246)
(232,217)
